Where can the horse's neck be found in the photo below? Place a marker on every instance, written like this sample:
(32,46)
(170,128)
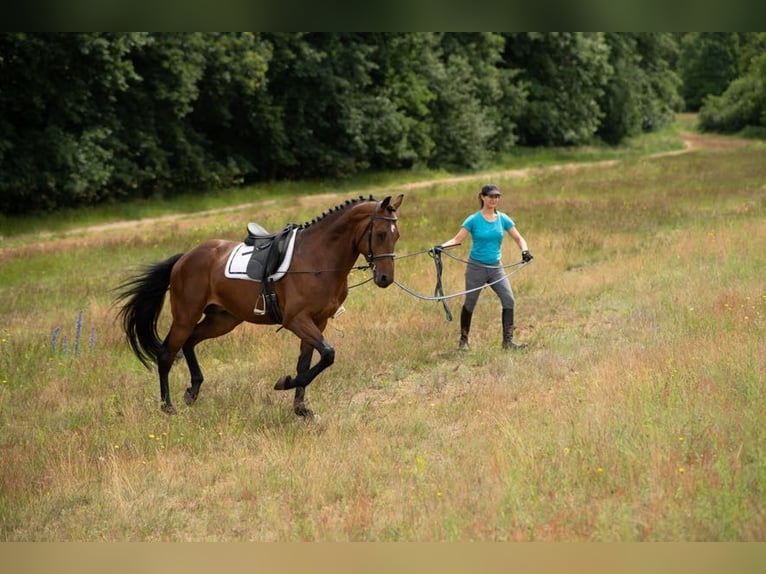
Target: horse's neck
(331,243)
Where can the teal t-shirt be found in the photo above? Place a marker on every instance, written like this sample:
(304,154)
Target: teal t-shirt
(487,236)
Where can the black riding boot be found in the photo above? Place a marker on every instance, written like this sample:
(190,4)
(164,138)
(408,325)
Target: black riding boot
(465,328)
(508,342)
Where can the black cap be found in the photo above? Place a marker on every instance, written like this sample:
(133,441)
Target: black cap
(490,189)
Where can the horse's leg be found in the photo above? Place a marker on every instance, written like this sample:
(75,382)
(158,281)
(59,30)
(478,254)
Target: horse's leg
(167,355)
(184,323)
(163,369)
(326,358)
(304,364)
(311,339)
(196,377)
(217,322)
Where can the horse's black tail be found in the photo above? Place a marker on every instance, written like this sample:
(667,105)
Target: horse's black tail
(144,296)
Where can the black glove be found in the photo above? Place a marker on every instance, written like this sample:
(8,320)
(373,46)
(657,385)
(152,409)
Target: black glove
(526,256)
(436,249)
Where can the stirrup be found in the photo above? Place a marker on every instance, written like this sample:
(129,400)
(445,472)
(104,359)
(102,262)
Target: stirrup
(256,310)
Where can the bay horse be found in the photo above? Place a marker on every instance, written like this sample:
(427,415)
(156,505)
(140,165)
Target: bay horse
(206,304)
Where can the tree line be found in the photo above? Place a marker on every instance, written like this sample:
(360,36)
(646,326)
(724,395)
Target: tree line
(92,117)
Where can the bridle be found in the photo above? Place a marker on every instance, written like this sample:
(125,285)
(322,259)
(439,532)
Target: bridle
(369,256)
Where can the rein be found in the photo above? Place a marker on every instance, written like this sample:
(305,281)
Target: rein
(439,291)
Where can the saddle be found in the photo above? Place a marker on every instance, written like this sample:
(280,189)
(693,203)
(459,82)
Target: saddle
(269,250)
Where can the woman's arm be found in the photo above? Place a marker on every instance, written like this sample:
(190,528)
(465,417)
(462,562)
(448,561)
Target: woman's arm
(520,241)
(457,240)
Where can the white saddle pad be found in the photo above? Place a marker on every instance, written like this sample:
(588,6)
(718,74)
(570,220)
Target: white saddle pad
(236,266)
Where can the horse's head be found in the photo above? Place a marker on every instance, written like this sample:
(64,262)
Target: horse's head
(383,232)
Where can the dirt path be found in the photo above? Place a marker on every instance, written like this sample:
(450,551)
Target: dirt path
(112,233)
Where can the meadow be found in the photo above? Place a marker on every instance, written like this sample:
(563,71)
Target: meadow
(636,413)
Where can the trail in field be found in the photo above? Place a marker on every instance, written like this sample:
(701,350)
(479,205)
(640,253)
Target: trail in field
(109,232)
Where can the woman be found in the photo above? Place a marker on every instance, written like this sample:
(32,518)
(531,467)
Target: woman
(487,228)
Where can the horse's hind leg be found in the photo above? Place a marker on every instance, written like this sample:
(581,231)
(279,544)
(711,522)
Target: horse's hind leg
(195,373)
(165,361)
(217,322)
(177,337)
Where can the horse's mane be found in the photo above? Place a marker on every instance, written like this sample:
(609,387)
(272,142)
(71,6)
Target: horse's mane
(337,209)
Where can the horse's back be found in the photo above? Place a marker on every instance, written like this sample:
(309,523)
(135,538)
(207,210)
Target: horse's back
(205,255)
(195,270)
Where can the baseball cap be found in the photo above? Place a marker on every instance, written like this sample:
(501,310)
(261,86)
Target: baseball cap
(490,189)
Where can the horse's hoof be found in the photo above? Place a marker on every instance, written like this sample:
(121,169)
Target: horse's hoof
(189,398)
(304,411)
(168,409)
(283,383)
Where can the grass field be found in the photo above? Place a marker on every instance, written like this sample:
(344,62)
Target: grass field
(636,413)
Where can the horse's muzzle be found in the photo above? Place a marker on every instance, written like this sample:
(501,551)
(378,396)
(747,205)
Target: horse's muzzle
(383,277)
(384,281)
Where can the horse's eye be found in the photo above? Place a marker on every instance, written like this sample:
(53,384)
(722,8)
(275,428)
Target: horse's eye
(381,235)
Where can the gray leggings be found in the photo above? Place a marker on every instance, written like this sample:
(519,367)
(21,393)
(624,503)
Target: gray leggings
(478,274)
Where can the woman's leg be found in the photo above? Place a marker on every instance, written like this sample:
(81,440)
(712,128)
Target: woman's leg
(475,277)
(508,301)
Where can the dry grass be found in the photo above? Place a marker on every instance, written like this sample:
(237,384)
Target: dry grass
(636,414)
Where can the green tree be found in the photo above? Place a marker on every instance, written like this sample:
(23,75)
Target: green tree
(709,61)
(743,103)
(340,103)
(399,130)
(477,99)
(158,150)
(317,86)
(642,94)
(104,116)
(226,112)
(57,115)
(565,74)
(86,117)
(752,45)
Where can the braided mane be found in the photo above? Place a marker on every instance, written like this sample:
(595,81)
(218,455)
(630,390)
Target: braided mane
(336,209)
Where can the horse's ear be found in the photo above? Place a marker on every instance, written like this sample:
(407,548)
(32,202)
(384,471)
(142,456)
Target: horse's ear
(387,205)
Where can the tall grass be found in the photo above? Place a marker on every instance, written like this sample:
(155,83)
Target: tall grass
(636,413)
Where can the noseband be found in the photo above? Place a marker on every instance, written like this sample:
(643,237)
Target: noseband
(369,257)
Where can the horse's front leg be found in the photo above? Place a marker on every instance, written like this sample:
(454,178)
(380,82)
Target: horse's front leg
(304,364)
(299,405)
(303,379)
(307,373)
